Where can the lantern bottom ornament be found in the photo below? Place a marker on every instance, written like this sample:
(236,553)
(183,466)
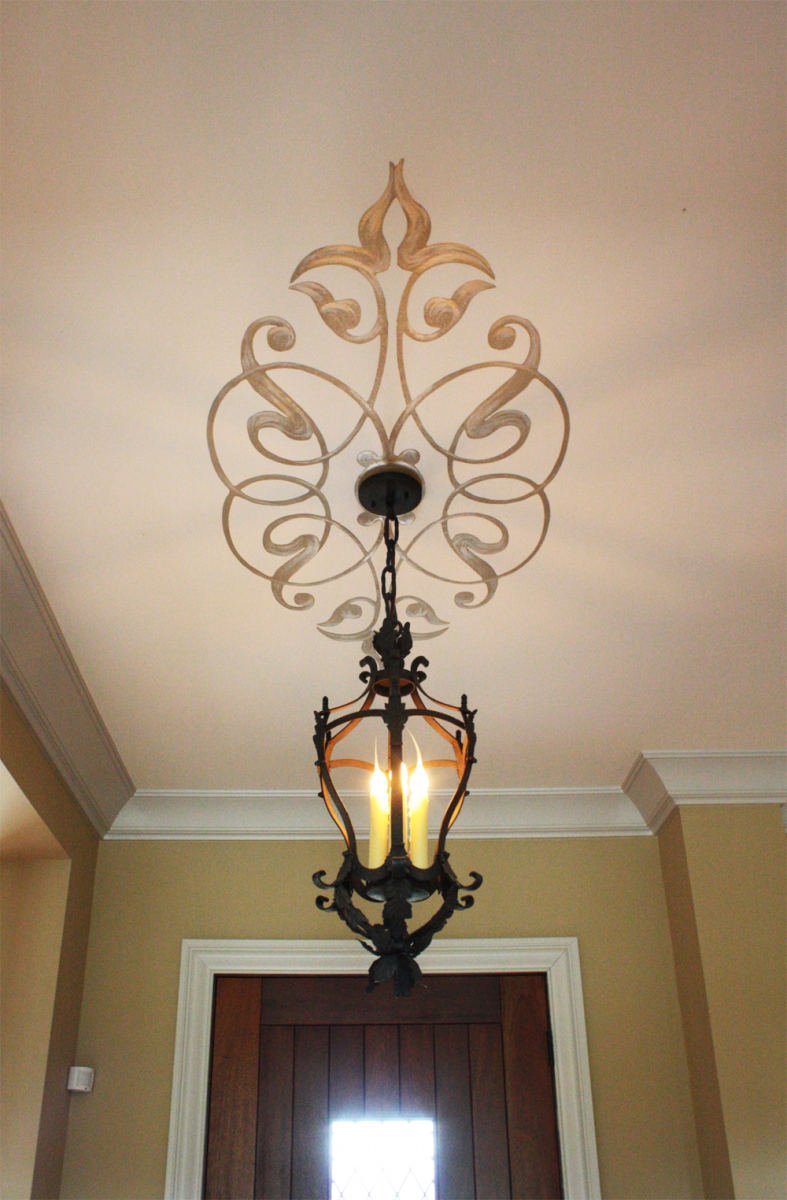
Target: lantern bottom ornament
(398,834)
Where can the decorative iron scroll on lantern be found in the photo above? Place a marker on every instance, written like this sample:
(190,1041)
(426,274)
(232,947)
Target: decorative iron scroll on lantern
(398,873)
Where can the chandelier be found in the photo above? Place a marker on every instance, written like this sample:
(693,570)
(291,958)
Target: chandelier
(399,870)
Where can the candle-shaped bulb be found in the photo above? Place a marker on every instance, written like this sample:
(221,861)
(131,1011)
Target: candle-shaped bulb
(405,794)
(418,808)
(378,815)
(378,787)
(419,780)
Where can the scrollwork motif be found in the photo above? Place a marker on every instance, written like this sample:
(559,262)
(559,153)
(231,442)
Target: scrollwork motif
(471,478)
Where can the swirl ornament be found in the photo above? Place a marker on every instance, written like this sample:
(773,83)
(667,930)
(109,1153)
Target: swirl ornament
(481,458)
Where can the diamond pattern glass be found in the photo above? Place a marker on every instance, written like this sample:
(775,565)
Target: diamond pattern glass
(382,1160)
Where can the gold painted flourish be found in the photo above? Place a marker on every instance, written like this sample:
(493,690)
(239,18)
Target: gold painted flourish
(285,418)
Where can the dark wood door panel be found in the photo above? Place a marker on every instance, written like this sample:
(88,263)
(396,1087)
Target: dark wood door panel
(273,1175)
(487,1082)
(454,1125)
(416,1071)
(490,1133)
(381,1072)
(232,1119)
(310,1130)
(530,1090)
(346,1088)
(343,1000)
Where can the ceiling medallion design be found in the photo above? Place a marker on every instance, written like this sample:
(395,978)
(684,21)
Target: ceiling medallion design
(472,483)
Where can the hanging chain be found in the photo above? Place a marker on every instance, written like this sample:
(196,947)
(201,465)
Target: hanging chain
(388,576)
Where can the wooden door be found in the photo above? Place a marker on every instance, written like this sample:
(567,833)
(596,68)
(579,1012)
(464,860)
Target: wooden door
(293,1053)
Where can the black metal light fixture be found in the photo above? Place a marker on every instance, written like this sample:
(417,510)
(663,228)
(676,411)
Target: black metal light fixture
(398,873)
(482,473)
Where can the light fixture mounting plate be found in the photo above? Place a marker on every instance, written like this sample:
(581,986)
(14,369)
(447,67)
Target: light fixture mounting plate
(385,483)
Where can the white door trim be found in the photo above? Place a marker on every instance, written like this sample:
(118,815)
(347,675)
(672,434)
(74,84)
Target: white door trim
(202,960)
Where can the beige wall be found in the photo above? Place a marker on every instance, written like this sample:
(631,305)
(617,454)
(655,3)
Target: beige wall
(697,1032)
(607,892)
(32,908)
(46,791)
(737,862)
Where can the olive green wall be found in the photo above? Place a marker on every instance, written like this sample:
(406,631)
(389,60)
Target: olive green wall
(32,907)
(53,802)
(606,891)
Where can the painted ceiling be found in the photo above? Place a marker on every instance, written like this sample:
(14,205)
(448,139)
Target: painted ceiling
(621,167)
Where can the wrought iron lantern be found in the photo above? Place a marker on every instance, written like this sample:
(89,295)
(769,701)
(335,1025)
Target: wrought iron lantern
(398,872)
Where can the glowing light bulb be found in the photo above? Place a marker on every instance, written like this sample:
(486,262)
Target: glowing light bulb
(419,780)
(378,786)
(378,815)
(418,808)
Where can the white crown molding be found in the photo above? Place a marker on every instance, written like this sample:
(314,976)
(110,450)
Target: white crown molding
(201,961)
(662,780)
(644,787)
(299,815)
(46,683)
(42,676)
